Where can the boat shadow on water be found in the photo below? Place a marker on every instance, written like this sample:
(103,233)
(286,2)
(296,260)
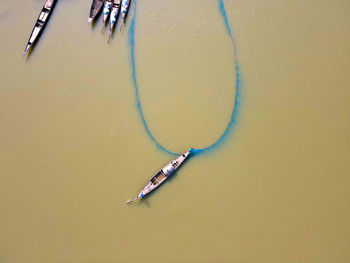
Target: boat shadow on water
(95,22)
(31,50)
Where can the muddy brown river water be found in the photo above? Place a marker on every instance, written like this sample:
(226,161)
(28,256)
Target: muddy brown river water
(73,148)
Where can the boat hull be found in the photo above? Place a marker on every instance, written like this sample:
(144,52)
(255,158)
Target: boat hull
(163,175)
(124,9)
(114,15)
(40,23)
(96,7)
(106,10)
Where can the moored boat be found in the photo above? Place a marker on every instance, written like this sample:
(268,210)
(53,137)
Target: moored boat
(96,7)
(124,11)
(40,23)
(106,11)
(162,175)
(113,17)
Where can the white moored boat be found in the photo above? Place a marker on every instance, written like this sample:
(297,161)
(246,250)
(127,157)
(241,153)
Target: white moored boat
(113,17)
(106,11)
(124,11)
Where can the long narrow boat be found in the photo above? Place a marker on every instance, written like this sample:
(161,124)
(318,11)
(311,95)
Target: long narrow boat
(40,23)
(95,9)
(162,175)
(124,11)
(106,11)
(113,17)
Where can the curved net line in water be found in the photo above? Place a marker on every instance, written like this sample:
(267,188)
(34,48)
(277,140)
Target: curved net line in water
(233,118)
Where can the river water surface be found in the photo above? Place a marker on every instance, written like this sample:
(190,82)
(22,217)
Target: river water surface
(73,147)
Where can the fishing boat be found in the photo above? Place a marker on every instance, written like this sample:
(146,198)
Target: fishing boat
(124,11)
(106,11)
(40,23)
(113,17)
(162,175)
(96,7)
